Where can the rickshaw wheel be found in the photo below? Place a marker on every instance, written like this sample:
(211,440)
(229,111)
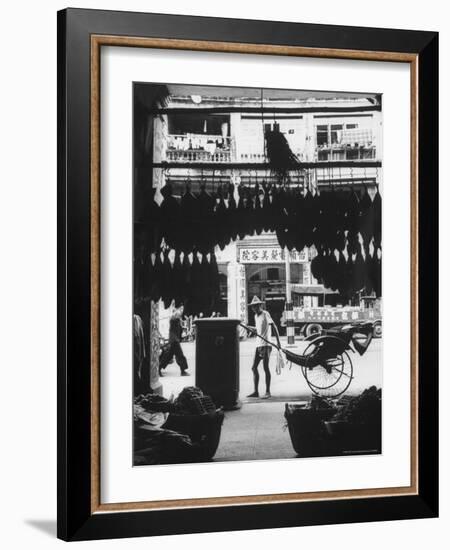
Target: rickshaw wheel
(328,369)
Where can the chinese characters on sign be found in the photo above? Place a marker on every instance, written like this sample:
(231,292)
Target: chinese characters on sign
(270,255)
(329,315)
(242,294)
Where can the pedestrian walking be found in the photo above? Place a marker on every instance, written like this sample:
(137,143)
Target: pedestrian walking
(174,346)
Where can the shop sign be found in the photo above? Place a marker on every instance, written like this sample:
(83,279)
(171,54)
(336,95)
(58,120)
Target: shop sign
(242,294)
(328,315)
(270,255)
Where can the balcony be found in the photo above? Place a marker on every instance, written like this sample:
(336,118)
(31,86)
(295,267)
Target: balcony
(349,144)
(198,148)
(355,176)
(338,151)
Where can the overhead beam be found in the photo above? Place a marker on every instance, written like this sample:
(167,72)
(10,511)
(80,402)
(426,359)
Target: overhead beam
(266,166)
(264,110)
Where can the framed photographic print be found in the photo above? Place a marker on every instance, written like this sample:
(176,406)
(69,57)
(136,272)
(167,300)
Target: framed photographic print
(247,252)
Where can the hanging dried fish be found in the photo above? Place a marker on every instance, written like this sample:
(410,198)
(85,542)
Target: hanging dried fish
(220,220)
(206,236)
(189,211)
(170,218)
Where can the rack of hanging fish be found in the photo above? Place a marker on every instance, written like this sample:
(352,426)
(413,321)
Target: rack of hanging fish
(175,236)
(174,257)
(175,241)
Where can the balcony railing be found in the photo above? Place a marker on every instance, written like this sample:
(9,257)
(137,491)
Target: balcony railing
(347,176)
(252,156)
(339,152)
(197,156)
(259,156)
(198,148)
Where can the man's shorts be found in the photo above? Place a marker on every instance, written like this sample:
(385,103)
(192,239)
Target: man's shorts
(263,351)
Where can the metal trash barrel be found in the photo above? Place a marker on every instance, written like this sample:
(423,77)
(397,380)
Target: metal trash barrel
(217,360)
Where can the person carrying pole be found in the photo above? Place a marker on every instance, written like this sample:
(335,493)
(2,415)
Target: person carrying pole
(263,347)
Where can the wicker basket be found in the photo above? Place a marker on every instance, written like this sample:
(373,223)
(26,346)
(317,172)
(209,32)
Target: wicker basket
(355,437)
(307,431)
(204,429)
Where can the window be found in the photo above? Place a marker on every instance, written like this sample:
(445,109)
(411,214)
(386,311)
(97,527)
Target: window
(273,274)
(338,155)
(322,134)
(328,134)
(271,127)
(368,153)
(334,136)
(187,123)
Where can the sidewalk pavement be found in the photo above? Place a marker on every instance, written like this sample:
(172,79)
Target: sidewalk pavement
(256,431)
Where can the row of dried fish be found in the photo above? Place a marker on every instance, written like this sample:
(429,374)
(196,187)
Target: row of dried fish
(332,220)
(188,279)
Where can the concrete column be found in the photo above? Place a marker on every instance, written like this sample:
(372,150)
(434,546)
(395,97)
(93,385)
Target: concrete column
(160,131)
(378,138)
(155,383)
(235,127)
(310,150)
(232,290)
(290,330)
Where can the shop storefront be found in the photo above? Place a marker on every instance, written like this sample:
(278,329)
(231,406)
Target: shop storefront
(210,200)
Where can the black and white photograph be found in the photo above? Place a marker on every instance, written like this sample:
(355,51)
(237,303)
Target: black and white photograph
(257,281)
(221,275)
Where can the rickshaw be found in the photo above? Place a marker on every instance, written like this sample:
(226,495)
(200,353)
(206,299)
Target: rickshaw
(325,362)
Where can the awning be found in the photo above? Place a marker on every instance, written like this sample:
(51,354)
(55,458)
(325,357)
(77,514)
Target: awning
(312,290)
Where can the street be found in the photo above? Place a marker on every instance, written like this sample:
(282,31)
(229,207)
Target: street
(290,384)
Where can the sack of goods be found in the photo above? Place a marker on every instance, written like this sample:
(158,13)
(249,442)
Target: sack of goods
(186,429)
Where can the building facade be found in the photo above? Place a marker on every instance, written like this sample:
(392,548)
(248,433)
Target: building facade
(226,127)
